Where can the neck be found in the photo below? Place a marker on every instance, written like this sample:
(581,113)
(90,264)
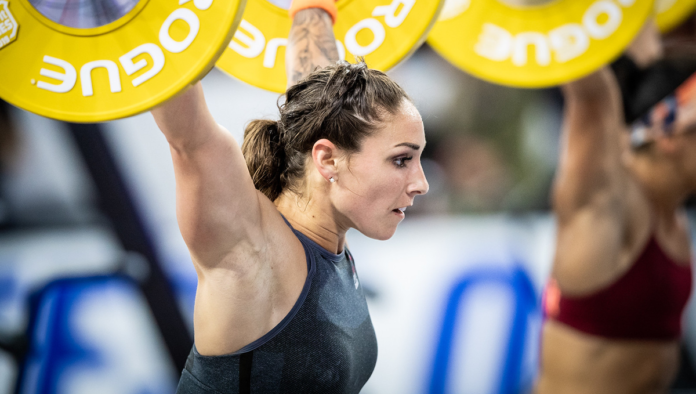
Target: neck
(663,185)
(315,218)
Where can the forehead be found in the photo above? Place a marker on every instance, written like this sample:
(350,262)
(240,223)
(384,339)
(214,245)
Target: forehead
(406,125)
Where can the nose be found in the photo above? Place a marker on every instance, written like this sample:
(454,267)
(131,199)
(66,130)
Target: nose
(419,185)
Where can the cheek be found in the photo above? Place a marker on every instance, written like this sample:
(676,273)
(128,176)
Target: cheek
(377,184)
(368,196)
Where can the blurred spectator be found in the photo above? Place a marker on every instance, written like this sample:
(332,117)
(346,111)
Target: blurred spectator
(478,178)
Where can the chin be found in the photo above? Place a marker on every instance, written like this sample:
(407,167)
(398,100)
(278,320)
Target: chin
(380,234)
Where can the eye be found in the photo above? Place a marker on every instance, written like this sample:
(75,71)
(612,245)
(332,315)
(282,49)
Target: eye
(401,161)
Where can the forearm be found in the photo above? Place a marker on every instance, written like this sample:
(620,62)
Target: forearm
(185,119)
(311,44)
(599,86)
(592,135)
(593,106)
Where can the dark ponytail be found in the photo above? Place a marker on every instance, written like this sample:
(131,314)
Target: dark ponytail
(343,103)
(265,157)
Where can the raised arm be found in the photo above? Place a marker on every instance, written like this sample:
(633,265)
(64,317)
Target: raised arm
(595,197)
(217,204)
(591,174)
(311,44)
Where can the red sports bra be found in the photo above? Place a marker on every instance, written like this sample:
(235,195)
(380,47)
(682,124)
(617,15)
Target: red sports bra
(646,303)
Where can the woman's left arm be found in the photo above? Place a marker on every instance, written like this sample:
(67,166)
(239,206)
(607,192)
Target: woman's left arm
(311,44)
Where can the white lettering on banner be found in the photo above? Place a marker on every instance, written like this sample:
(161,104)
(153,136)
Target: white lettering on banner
(3,15)
(602,31)
(351,37)
(254,43)
(389,12)
(4,41)
(86,76)
(67,78)
(187,16)
(567,41)
(157,62)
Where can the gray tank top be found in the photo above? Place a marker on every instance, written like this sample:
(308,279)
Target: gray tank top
(326,344)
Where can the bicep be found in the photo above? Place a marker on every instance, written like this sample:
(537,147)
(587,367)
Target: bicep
(217,204)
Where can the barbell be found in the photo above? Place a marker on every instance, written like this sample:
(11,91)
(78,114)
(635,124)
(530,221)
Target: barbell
(97,63)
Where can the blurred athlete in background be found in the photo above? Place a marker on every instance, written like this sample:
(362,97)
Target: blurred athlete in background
(622,273)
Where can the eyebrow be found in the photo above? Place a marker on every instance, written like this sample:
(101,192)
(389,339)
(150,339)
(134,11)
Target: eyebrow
(410,145)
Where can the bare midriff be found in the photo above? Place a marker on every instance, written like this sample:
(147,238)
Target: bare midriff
(578,363)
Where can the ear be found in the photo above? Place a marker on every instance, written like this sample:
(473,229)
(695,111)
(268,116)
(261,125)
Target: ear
(325,156)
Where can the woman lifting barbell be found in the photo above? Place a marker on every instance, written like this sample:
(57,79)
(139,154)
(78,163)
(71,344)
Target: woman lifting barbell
(622,273)
(279,307)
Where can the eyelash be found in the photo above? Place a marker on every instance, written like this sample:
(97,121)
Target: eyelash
(403,161)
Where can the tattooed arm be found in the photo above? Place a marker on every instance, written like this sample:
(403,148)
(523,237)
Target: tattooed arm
(311,44)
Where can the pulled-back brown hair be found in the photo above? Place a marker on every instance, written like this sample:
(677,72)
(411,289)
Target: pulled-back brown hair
(343,103)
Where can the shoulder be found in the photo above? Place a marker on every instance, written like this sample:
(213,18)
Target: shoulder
(600,242)
(253,287)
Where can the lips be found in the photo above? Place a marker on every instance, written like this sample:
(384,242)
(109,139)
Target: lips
(400,211)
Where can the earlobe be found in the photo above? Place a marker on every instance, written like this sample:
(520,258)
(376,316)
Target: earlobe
(324,154)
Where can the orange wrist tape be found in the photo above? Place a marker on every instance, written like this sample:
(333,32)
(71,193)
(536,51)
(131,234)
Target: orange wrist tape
(326,5)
